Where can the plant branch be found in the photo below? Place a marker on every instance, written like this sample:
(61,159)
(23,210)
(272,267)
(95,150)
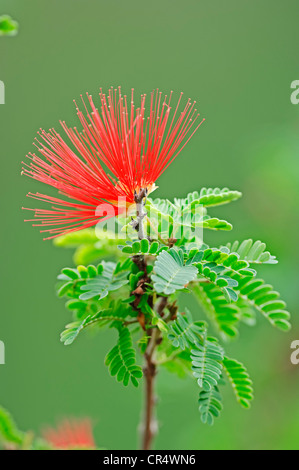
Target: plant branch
(149,426)
(140,199)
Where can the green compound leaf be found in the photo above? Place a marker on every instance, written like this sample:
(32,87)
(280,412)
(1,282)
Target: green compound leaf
(71,331)
(206,354)
(247,314)
(142,247)
(8,26)
(106,281)
(212,223)
(207,363)
(210,405)
(208,197)
(121,360)
(168,217)
(118,313)
(82,308)
(227,262)
(184,333)
(240,381)
(267,301)
(75,279)
(218,267)
(223,314)
(64,288)
(216,197)
(69,273)
(253,252)
(170,274)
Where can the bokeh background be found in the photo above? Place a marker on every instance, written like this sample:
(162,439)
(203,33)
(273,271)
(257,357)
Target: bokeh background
(238,60)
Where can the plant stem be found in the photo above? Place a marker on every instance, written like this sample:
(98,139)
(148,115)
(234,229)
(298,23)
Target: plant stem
(140,202)
(150,425)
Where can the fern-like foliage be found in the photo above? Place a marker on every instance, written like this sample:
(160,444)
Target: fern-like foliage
(223,314)
(207,363)
(184,333)
(233,278)
(206,354)
(254,252)
(218,267)
(210,405)
(240,381)
(206,197)
(168,217)
(212,223)
(142,247)
(209,197)
(246,312)
(225,260)
(94,281)
(170,273)
(266,300)
(82,308)
(72,330)
(109,279)
(147,278)
(118,313)
(121,360)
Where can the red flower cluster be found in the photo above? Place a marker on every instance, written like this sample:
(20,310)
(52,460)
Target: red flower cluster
(119,151)
(71,434)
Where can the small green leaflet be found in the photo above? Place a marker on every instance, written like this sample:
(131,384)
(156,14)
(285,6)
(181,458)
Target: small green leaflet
(117,314)
(72,330)
(212,223)
(266,300)
(210,405)
(121,360)
(216,197)
(223,313)
(101,284)
(184,333)
(240,381)
(207,363)
(254,252)
(170,274)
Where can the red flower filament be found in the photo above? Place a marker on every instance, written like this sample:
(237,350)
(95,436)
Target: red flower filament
(119,151)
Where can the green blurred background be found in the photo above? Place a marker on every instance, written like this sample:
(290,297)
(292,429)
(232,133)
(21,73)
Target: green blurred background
(238,60)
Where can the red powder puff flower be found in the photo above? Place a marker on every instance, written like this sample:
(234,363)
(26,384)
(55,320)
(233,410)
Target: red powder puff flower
(119,151)
(71,434)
